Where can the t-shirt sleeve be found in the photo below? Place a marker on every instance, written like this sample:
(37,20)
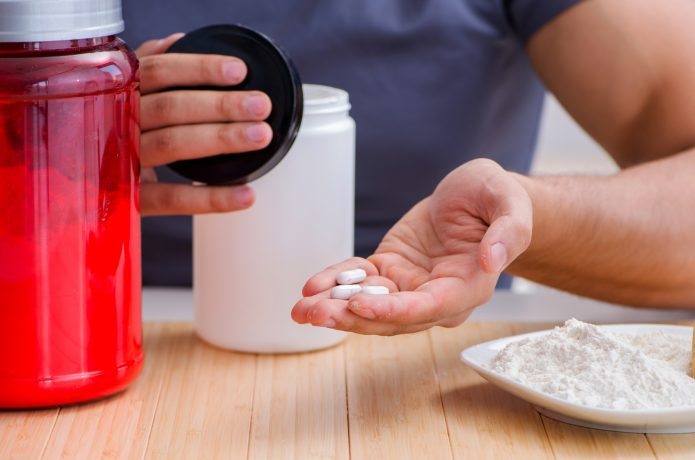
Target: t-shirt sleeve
(528,16)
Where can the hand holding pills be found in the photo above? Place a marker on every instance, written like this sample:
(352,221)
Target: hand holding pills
(441,260)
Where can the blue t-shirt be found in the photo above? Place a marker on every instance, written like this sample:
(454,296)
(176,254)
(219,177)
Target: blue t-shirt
(433,84)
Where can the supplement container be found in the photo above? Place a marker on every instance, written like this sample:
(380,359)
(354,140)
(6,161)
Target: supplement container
(249,267)
(70,327)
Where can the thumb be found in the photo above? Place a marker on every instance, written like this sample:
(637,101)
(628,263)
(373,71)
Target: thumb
(508,236)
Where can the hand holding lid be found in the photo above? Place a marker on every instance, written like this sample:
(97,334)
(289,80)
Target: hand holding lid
(269,71)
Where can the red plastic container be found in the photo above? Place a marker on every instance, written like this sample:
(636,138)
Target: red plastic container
(70,327)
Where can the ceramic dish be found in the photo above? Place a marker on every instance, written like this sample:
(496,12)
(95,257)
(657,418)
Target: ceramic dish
(669,420)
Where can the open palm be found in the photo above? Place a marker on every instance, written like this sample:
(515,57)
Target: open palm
(442,259)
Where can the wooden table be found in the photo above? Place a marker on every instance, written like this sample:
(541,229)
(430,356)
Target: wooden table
(370,398)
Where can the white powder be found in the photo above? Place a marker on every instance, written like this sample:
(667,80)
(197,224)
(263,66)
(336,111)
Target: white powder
(587,365)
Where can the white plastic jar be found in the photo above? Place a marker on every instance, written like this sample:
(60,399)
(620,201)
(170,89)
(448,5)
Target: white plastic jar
(249,267)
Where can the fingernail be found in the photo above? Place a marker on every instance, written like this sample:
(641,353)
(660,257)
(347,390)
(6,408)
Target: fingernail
(498,257)
(309,315)
(176,37)
(244,196)
(330,322)
(234,71)
(256,133)
(256,105)
(357,309)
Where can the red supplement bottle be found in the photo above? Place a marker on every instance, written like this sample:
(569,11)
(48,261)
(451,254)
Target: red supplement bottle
(70,327)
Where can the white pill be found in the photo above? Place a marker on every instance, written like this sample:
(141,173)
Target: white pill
(345,291)
(375,290)
(351,276)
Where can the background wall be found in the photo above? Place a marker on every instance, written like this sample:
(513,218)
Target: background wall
(564,148)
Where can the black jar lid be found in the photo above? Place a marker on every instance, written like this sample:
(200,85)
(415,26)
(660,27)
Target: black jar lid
(269,70)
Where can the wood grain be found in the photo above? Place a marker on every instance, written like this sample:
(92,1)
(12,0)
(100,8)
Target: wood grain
(24,435)
(299,408)
(371,398)
(569,441)
(672,446)
(204,410)
(395,408)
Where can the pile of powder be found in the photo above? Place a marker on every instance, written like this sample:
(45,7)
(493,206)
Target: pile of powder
(585,364)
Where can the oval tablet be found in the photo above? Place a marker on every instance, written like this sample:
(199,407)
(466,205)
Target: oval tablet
(375,290)
(344,292)
(351,276)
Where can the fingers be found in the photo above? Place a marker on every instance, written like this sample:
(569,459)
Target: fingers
(435,302)
(166,145)
(324,312)
(181,125)
(303,311)
(158,46)
(173,199)
(380,281)
(161,110)
(161,71)
(325,280)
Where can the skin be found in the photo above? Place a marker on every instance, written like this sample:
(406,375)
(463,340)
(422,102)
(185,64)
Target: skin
(624,72)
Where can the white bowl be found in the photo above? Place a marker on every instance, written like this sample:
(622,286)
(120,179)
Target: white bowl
(668,420)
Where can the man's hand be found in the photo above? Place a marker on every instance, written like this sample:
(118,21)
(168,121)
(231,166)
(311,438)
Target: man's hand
(185,124)
(442,259)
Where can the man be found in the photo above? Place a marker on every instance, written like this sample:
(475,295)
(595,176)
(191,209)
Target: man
(622,70)
(627,238)
(432,84)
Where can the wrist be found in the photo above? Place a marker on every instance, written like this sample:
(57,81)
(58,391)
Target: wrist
(536,188)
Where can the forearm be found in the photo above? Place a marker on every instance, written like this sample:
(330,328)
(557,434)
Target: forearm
(627,238)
